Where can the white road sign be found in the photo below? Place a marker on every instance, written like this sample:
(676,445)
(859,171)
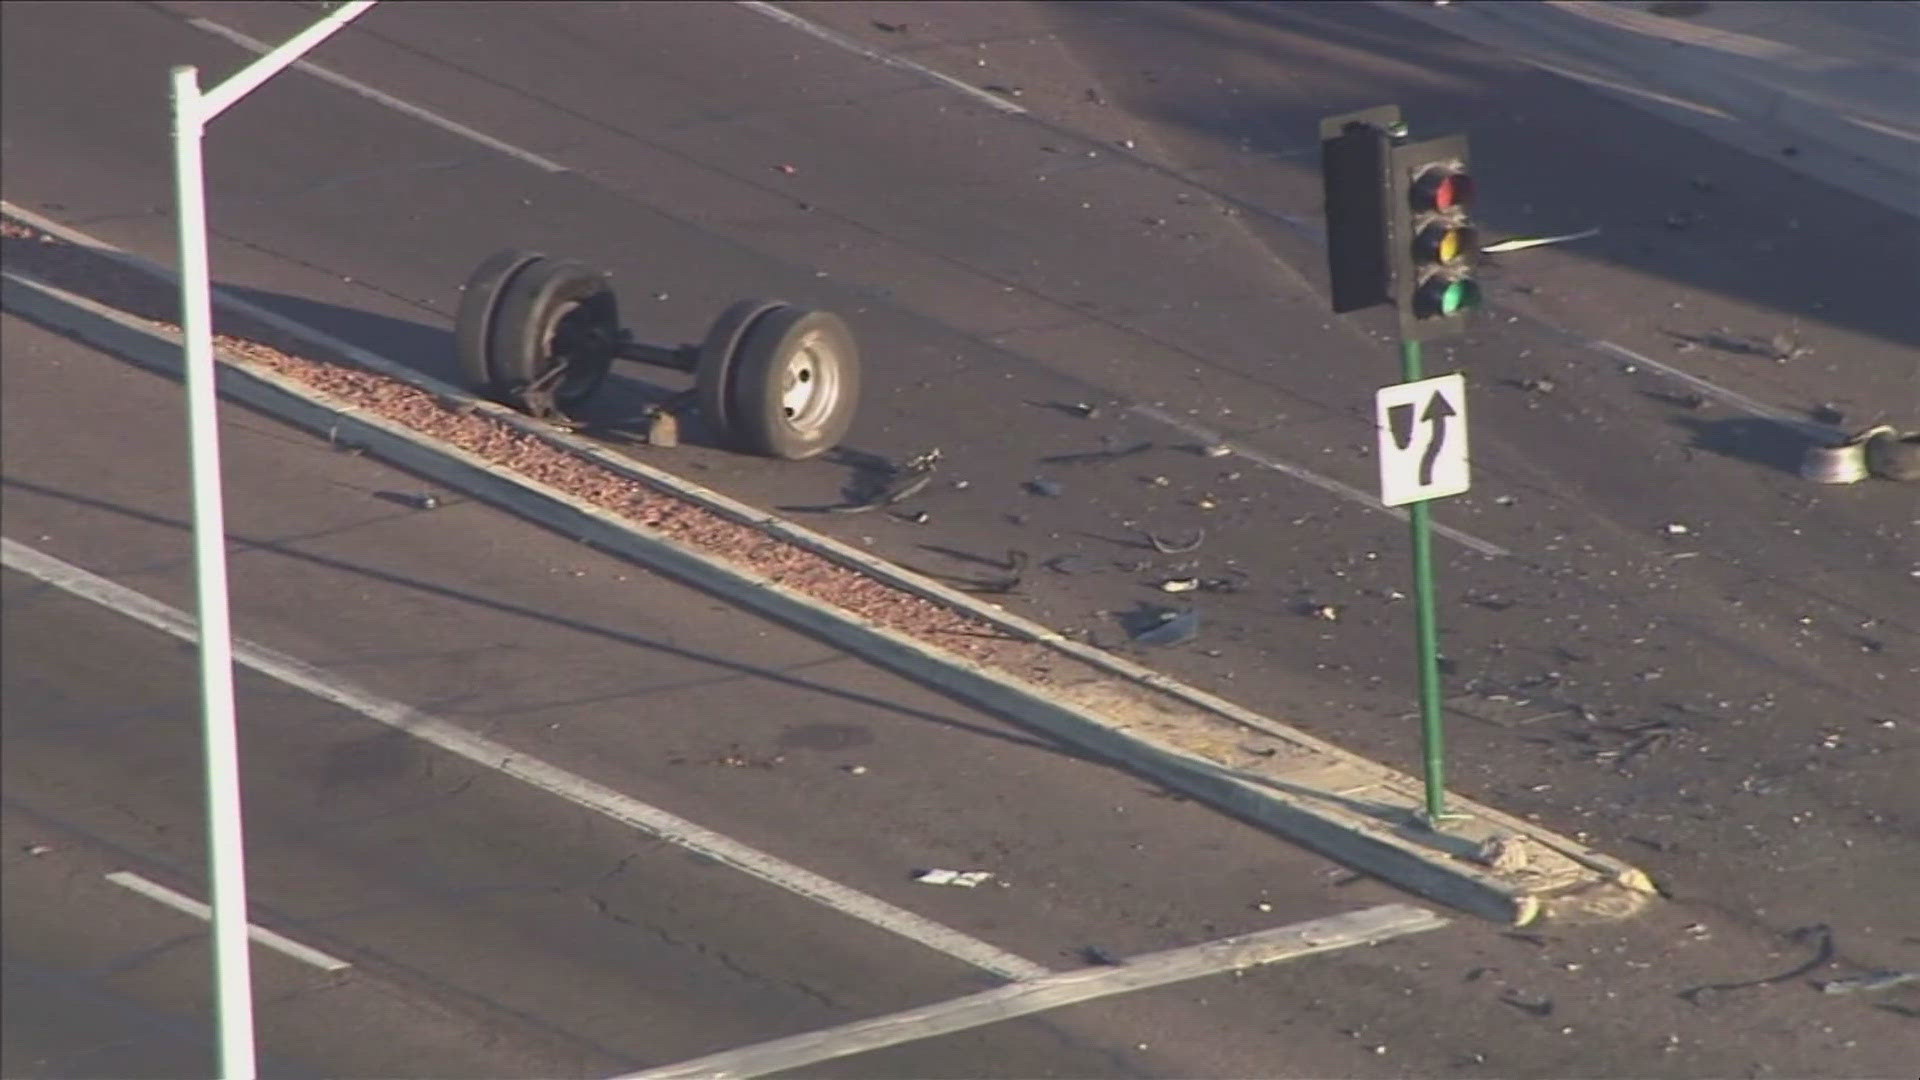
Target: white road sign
(1423,439)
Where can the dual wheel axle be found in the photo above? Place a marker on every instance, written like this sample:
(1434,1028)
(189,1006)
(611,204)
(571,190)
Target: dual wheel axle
(770,378)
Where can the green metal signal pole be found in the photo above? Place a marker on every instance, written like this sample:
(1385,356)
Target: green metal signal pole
(1432,742)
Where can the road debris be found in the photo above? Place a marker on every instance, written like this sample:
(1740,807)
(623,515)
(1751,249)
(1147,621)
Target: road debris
(1069,564)
(1674,528)
(1169,627)
(1823,954)
(1522,243)
(854,770)
(1323,612)
(37,850)
(959,879)
(1049,489)
(1879,980)
(1165,548)
(1893,456)
(1094,954)
(1015,565)
(1178,585)
(890,28)
(893,483)
(1083,410)
(1845,463)
(1215,450)
(1541,1007)
(1503,855)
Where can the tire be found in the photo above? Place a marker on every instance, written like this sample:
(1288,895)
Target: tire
(537,306)
(796,384)
(1893,456)
(713,375)
(479,306)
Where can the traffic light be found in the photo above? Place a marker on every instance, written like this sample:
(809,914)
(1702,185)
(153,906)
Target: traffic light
(1433,243)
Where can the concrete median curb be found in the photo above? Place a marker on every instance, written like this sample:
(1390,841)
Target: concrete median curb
(1355,811)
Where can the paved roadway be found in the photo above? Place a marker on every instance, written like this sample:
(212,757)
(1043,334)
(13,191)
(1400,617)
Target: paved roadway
(1730,707)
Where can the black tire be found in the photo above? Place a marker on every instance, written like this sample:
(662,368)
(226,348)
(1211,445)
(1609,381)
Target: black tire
(543,303)
(1893,456)
(713,375)
(796,384)
(479,306)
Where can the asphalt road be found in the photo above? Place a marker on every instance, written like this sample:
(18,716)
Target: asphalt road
(1730,707)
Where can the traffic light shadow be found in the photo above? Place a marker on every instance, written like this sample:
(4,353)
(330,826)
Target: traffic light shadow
(1676,207)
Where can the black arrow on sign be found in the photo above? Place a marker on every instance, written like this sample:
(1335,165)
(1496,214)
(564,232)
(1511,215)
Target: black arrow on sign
(1437,412)
(1400,423)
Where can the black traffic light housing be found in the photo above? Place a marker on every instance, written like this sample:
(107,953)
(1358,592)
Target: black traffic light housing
(1435,243)
(1398,225)
(1354,152)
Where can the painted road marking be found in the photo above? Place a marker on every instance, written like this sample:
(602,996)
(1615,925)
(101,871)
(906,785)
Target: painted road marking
(181,902)
(391,102)
(1351,494)
(852,46)
(1066,988)
(548,777)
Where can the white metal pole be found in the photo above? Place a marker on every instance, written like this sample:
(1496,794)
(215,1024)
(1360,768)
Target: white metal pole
(226,853)
(241,82)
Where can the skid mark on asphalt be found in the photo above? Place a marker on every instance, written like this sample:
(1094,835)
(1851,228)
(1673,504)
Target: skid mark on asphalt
(541,774)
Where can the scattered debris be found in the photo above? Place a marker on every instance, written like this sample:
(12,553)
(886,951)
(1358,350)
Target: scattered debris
(1823,953)
(1009,91)
(1015,565)
(1050,489)
(787,170)
(1170,628)
(1827,413)
(1323,612)
(1879,980)
(1164,548)
(1674,528)
(1179,585)
(1503,855)
(1786,347)
(895,483)
(1521,243)
(890,28)
(854,770)
(1892,456)
(1216,450)
(426,501)
(37,850)
(959,879)
(1083,410)
(1069,564)
(1847,463)
(1094,954)
(1541,385)
(1542,1007)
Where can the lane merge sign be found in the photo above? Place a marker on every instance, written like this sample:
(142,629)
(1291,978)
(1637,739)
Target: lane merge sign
(1423,439)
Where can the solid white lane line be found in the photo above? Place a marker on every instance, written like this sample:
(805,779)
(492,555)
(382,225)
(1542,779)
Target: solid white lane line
(181,902)
(551,778)
(388,100)
(852,46)
(1325,483)
(1720,393)
(1066,988)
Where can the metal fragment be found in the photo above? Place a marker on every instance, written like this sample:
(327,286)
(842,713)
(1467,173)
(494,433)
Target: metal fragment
(1164,548)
